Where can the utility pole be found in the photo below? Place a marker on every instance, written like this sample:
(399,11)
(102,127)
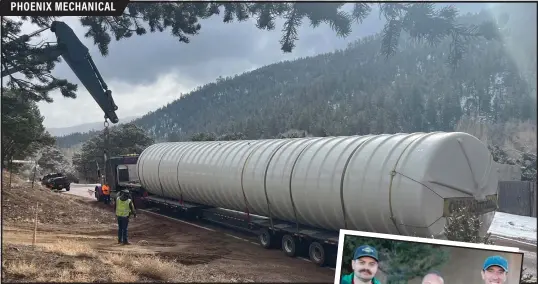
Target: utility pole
(33,177)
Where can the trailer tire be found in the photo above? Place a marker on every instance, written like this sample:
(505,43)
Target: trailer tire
(96,194)
(289,245)
(316,252)
(68,188)
(266,239)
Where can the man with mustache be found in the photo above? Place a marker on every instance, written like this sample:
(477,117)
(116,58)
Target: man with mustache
(433,278)
(495,269)
(364,264)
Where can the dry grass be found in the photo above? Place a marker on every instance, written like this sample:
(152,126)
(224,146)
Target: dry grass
(72,245)
(83,266)
(21,269)
(73,262)
(70,261)
(120,274)
(19,203)
(142,266)
(70,248)
(68,276)
(154,268)
(70,258)
(113,258)
(131,268)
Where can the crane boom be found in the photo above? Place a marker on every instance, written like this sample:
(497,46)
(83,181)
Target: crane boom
(77,56)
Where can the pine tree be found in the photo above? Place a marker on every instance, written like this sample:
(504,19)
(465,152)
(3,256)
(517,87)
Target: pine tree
(23,133)
(123,139)
(463,225)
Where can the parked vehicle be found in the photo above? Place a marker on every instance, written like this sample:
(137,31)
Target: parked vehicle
(59,183)
(47,177)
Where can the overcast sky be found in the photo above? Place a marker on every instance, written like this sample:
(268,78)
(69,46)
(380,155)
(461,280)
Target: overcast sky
(147,72)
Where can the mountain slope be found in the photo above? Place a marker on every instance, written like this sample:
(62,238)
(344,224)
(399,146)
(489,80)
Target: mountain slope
(82,128)
(356,91)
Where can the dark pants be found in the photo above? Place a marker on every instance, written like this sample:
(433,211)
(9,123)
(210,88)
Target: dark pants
(123,222)
(106,199)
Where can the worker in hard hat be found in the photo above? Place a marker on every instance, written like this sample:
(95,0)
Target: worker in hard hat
(365,264)
(106,193)
(433,277)
(495,269)
(124,209)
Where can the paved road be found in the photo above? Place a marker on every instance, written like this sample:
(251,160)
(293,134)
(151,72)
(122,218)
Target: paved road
(84,190)
(529,249)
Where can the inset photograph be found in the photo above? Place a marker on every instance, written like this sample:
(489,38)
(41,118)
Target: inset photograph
(380,258)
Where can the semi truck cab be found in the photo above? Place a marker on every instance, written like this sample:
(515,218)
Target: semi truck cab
(121,174)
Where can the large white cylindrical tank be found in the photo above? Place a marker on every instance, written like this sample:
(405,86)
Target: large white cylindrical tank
(396,184)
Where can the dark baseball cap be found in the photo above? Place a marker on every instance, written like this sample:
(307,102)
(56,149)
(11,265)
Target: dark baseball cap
(365,250)
(496,260)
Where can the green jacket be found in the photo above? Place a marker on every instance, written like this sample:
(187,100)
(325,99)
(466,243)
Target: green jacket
(348,279)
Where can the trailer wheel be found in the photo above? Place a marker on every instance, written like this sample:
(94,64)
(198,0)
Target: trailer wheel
(266,239)
(97,195)
(68,188)
(289,245)
(316,252)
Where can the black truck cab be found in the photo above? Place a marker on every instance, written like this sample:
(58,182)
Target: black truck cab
(121,174)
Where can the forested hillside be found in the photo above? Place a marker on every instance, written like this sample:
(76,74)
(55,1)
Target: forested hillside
(355,91)
(358,91)
(73,139)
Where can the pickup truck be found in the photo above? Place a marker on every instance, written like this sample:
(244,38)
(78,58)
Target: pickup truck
(58,183)
(46,178)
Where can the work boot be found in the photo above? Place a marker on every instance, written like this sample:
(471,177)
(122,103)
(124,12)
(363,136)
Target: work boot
(126,243)
(119,242)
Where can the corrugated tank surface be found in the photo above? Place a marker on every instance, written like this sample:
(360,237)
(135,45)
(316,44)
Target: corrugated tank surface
(380,183)
(210,173)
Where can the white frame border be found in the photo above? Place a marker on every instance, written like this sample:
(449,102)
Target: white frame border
(343,234)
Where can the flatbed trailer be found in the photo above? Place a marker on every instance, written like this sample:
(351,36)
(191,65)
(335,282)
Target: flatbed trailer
(320,246)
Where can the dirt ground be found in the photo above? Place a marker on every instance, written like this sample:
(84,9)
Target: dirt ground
(76,242)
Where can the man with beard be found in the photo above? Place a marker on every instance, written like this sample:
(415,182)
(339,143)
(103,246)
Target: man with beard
(432,277)
(365,265)
(495,269)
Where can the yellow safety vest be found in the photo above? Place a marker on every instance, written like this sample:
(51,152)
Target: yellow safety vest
(122,207)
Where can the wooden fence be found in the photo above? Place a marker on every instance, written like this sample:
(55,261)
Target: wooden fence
(517,197)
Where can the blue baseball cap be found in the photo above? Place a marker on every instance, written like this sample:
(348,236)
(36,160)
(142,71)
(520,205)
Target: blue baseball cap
(365,250)
(496,260)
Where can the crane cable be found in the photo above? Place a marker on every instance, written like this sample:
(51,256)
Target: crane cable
(105,149)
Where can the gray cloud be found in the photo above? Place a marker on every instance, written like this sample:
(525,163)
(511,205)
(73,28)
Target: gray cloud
(135,67)
(142,59)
